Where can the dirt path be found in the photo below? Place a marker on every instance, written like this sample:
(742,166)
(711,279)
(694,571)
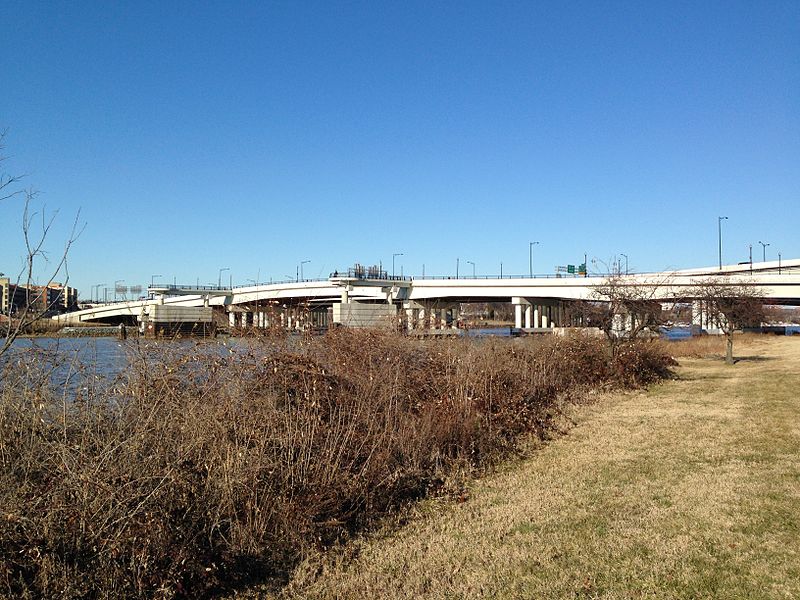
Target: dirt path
(689,490)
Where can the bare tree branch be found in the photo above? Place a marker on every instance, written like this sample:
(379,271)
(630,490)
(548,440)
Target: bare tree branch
(35,308)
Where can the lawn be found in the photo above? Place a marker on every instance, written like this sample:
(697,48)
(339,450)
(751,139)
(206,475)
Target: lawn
(690,489)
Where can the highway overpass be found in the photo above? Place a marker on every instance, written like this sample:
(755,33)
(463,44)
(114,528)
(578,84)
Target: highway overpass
(778,283)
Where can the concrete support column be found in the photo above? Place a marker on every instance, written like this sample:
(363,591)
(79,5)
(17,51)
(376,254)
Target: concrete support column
(545,321)
(232,319)
(455,315)
(518,303)
(536,322)
(528,315)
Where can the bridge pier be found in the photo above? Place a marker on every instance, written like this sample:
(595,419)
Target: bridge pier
(520,304)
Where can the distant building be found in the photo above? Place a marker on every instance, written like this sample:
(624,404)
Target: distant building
(54,297)
(12,296)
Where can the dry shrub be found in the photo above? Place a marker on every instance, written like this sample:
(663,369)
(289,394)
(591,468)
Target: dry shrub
(699,346)
(640,363)
(203,467)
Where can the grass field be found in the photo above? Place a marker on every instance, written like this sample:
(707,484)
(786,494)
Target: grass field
(688,490)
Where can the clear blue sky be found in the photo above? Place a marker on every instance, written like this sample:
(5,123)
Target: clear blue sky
(195,136)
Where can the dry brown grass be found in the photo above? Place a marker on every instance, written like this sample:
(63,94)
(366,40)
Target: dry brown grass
(202,470)
(688,490)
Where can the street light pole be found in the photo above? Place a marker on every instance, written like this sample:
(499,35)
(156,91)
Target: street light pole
(469,262)
(457,260)
(626,262)
(393,256)
(530,257)
(719,230)
(219,276)
(98,290)
(302,262)
(764,249)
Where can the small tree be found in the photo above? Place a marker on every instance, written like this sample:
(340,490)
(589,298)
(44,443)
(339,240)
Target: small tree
(624,307)
(732,304)
(35,230)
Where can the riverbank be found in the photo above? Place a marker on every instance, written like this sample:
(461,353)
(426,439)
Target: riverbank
(687,490)
(205,467)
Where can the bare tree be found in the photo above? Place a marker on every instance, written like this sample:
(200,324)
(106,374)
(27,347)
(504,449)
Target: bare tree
(625,307)
(730,303)
(35,229)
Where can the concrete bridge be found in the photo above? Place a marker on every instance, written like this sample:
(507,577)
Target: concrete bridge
(358,300)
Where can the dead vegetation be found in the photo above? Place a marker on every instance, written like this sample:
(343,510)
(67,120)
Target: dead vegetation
(685,490)
(206,469)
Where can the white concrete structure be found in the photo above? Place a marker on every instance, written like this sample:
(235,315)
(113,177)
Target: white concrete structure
(539,301)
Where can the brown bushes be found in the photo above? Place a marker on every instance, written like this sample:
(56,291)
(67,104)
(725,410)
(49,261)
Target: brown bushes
(201,468)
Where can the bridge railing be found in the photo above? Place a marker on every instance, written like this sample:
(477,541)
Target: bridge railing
(504,276)
(368,273)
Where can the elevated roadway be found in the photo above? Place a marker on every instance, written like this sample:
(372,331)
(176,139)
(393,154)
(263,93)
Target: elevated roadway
(778,283)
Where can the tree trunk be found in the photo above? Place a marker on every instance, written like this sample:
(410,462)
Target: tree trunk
(729,352)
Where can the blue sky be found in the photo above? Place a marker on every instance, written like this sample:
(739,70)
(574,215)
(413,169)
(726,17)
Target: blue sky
(196,136)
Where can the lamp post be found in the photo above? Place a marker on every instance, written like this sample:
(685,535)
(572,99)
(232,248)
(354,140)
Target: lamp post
(98,290)
(153,280)
(501,270)
(626,262)
(302,262)
(530,257)
(469,262)
(764,250)
(393,256)
(457,261)
(219,276)
(750,246)
(719,231)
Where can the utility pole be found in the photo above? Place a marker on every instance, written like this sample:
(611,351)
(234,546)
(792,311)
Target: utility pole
(98,286)
(219,277)
(530,257)
(393,257)
(719,231)
(764,249)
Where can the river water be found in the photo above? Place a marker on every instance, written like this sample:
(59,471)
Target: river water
(106,357)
